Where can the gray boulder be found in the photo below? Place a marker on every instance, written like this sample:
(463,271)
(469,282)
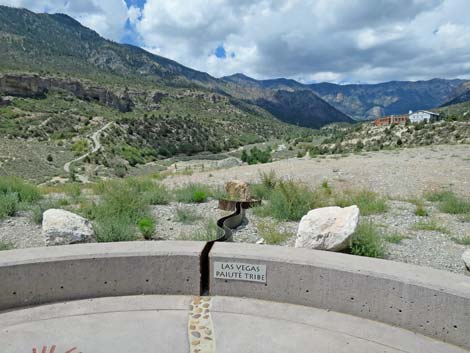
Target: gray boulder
(328,228)
(60,227)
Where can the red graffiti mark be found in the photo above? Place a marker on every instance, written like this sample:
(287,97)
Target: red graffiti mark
(52,350)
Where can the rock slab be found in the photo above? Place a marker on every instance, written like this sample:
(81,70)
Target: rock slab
(328,228)
(238,190)
(60,227)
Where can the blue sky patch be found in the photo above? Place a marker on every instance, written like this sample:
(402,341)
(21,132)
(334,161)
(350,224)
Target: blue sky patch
(220,52)
(137,3)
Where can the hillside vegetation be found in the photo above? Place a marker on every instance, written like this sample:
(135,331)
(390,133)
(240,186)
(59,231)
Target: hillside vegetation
(368,137)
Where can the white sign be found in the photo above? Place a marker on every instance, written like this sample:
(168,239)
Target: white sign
(240,271)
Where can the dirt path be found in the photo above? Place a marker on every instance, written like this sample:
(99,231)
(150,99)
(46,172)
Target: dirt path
(398,173)
(95,139)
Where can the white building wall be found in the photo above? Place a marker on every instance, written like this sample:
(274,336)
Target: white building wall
(419,116)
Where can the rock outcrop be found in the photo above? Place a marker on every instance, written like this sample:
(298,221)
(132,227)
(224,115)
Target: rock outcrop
(60,227)
(35,86)
(328,228)
(238,190)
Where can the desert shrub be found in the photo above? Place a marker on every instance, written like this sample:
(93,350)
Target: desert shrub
(430,225)
(26,192)
(72,190)
(255,156)
(8,204)
(38,209)
(114,229)
(453,204)
(271,234)
(80,147)
(368,202)
(420,209)
(462,241)
(449,202)
(366,241)
(269,179)
(187,215)
(395,238)
(158,195)
(260,192)
(192,193)
(437,196)
(288,201)
(326,188)
(5,246)
(147,227)
(209,232)
(122,205)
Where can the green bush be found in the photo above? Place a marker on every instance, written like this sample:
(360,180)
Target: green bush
(288,201)
(449,202)
(114,229)
(437,196)
(326,188)
(269,180)
(122,205)
(8,204)
(395,238)
(368,202)
(462,241)
(453,204)
(26,192)
(38,210)
(255,156)
(421,209)
(72,190)
(366,241)
(430,225)
(187,215)
(192,193)
(5,246)
(158,195)
(209,232)
(147,227)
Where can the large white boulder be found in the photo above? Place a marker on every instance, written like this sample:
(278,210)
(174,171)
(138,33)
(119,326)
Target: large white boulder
(60,227)
(466,260)
(328,228)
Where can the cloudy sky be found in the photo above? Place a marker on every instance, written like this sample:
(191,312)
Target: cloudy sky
(308,40)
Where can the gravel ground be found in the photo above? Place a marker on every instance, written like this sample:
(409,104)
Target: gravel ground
(397,173)
(21,232)
(401,175)
(421,247)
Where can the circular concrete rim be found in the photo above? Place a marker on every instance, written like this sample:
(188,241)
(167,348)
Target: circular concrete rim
(431,302)
(163,323)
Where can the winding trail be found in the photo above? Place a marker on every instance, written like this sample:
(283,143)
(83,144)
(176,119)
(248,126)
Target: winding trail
(95,139)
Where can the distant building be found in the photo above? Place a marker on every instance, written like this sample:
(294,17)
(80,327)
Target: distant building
(392,119)
(422,115)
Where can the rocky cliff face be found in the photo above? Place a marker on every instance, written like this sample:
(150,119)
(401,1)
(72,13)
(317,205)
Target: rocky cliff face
(460,95)
(34,86)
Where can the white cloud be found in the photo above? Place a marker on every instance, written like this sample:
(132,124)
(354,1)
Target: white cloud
(334,40)
(338,40)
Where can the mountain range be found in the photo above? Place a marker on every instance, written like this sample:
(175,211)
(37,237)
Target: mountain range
(60,46)
(369,101)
